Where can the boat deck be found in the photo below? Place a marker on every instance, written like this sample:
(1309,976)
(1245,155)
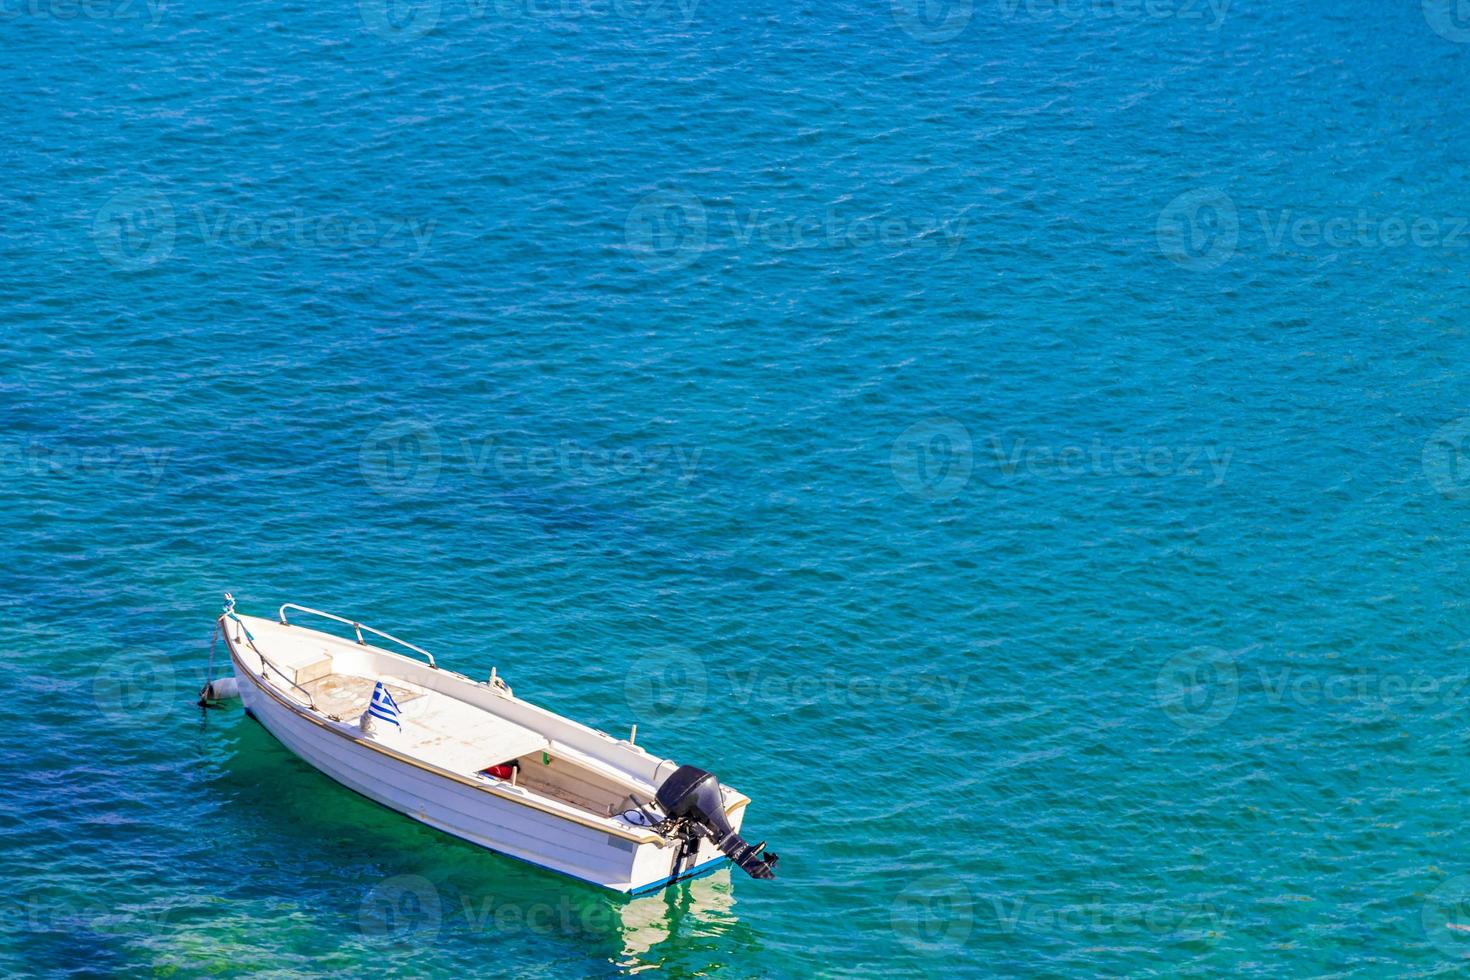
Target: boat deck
(438,729)
(463,737)
(347,696)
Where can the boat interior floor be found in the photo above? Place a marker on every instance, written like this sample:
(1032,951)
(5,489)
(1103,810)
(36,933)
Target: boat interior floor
(347,696)
(464,739)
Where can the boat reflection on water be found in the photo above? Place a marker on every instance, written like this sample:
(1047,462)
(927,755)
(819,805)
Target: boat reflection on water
(671,928)
(703,906)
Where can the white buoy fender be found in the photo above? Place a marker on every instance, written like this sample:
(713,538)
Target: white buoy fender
(220,689)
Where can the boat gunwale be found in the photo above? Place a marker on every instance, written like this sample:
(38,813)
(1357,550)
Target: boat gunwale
(302,711)
(738,799)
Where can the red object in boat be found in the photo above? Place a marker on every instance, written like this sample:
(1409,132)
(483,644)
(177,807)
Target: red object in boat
(499,772)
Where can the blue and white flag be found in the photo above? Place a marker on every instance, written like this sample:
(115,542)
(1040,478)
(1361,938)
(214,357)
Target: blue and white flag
(384,708)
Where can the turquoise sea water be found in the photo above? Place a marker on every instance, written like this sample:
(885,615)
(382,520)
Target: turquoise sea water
(1020,445)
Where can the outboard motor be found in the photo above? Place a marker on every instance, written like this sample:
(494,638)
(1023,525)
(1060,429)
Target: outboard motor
(695,807)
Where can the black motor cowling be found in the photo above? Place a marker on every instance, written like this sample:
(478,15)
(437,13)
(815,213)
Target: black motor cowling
(691,798)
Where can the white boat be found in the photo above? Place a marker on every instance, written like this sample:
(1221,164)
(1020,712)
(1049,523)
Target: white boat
(471,759)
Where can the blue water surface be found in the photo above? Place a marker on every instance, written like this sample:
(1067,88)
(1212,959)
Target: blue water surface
(1020,443)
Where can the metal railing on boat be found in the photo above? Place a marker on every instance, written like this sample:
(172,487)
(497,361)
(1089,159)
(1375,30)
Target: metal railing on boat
(310,701)
(357,627)
(242,633)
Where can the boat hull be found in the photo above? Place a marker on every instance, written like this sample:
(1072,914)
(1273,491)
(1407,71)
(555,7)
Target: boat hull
(461,807)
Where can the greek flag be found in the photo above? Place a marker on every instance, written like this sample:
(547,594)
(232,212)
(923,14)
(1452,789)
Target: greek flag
(384,708)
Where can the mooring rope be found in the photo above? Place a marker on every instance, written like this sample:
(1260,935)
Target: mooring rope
(209,675)
(230,612)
